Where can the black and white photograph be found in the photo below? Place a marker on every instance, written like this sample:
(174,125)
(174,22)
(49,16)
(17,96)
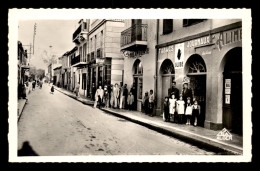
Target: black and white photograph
(129,85)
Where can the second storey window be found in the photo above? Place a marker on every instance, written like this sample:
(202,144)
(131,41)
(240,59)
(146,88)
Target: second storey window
(167,26)
(189,22)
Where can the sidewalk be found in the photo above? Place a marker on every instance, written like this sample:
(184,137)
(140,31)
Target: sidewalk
(199,136)
(21,104)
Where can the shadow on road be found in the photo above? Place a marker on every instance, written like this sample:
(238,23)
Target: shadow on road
(27,150)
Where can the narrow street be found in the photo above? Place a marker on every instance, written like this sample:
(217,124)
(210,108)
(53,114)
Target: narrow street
(57,125)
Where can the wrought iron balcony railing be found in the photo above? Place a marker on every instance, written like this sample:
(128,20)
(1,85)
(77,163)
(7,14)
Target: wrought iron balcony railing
(134,33)
(77,59)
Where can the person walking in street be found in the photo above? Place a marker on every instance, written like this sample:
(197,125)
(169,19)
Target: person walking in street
(172,106)
(98,97)
(52,89)
(180,109)
(174,90)
(146,102)
(77,90)
(130,101)
(116,95)
(106,97)
(166,109)
(33,85)
(195,112)
(188,111)
(93,91)
(151,103)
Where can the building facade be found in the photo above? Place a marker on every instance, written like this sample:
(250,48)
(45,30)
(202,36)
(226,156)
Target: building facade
(138,42)
(98,58)
(207,54)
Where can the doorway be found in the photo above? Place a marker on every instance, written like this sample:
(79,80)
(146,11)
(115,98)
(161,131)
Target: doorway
(168,75)
(138,82)
(232,92)
(196,71)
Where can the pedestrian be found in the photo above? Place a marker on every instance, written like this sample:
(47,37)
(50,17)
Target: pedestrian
(166,109)
(106,97)
(134,93)
(146,102)
(33,85)
(109,93)
(125,95)
(24,95)
(151,103)
(172,105)
(130,101)
(77,90)
(93,91)
(40,83)
(116,95)
(121,101)
(174,90)
(188,111)
(195,112)
(99,96)
(186,92)
(112,96)
(180,109)
(52,89)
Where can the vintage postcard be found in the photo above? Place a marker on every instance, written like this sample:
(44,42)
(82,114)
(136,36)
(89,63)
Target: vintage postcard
(130,85)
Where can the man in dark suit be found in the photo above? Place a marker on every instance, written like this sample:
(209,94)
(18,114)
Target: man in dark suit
(174,90)
(186,92)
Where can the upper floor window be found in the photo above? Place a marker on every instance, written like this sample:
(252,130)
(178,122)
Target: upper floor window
(189,22)
(101,39)
(167,26)
(84,25)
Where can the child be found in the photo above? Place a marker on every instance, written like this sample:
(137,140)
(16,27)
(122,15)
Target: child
(151,103)
(166,109)
(188,111)
(52,89)
(195,111)
(130,101)
(180,109)
(172,105)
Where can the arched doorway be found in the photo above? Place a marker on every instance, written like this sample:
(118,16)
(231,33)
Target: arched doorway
(196,70)
(232,90)
(167,72)
(138,83)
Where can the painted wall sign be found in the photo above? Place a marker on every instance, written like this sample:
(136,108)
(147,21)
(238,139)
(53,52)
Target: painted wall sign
(179,56)
(166,49)
(100,61)
(135,53)
(206,52)
(199,42)
(228,37)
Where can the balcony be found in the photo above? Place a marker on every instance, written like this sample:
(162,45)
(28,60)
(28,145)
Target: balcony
(79,35)
(78,61)
(134,38)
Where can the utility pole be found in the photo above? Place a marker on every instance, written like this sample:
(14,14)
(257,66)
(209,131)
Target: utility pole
(34,33)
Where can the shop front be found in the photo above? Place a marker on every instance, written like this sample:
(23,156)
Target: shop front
(212,66)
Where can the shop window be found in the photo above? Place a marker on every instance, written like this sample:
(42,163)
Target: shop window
(167,26)
(167,67)
(197,67)
(189,22)
(140,87)
(139,68)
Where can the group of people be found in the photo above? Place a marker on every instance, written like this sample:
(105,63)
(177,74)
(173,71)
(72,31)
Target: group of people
(114,96)
(148,103)
(181,107)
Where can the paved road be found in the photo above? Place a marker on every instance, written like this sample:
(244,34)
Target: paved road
(57,125)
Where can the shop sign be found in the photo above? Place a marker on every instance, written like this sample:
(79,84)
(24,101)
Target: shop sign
(199,42)
(179,56)
(227,99)
(100,60)
(166,49)
(138,53)
(228,37)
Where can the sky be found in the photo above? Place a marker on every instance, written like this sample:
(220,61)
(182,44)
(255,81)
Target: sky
(55,33)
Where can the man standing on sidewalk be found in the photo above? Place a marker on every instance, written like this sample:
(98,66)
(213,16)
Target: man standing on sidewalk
(116,95)
(99,96)
(174,90)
